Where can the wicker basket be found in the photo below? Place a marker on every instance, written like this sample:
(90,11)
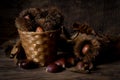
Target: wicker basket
(40,47)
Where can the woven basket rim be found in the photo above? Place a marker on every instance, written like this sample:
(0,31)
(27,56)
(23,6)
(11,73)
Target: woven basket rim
(39,32)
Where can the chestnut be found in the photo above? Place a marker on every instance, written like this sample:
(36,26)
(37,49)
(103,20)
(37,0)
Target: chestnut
(80,66)
(25,64)
(85,48)
(53,68)
(60,62)
(84,67)
(39,29)
(70,61)
(89,66)
(27,17)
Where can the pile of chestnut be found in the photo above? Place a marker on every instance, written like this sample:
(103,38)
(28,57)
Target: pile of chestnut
(62,62)
(78,65)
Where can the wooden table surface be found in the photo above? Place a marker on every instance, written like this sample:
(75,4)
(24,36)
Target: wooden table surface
(9,71)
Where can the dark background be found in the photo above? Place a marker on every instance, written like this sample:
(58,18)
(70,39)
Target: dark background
(102,15)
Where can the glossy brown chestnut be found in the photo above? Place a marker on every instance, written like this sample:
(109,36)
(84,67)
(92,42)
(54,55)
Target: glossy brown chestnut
(39,29)
(60,62)
(85,48)
(53,68)
(80,66)
(25,64)
(70,62)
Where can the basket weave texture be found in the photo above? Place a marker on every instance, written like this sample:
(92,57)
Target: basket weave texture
(40,47)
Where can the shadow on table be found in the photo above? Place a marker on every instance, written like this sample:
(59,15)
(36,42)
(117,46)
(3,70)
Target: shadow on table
(109,53)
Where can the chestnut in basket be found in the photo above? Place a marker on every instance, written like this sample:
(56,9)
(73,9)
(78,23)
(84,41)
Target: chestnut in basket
(50,18)
(39,29)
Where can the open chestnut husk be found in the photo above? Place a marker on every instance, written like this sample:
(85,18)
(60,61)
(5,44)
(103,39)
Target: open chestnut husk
(25,64)
(54,68)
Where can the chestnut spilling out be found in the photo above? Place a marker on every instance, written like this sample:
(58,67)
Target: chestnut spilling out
(44,42)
